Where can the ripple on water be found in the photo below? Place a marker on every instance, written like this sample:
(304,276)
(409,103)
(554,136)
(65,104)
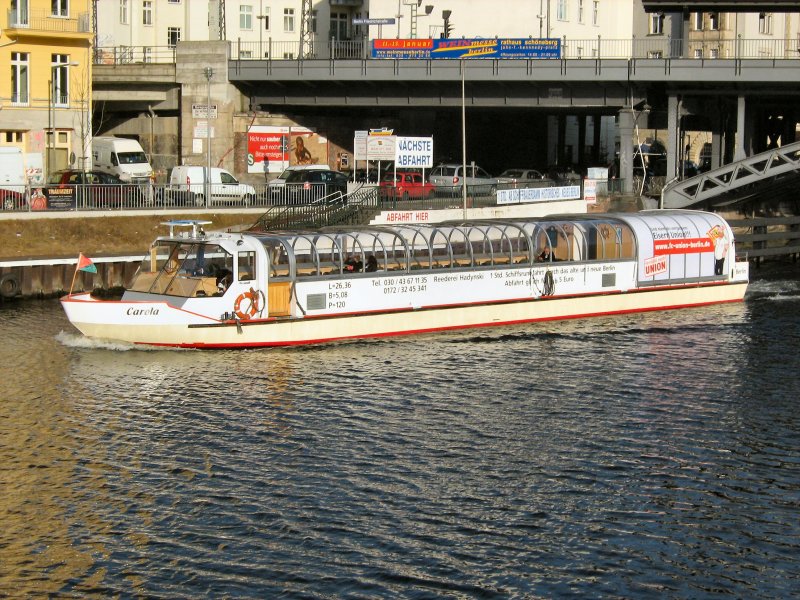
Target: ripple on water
(621,457)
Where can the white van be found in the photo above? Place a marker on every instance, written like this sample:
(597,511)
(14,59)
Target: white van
(12,178)
(121,157)
(187,186)
(277,186)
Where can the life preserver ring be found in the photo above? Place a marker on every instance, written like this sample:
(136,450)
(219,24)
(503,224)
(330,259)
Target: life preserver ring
(9,285)
(247,305)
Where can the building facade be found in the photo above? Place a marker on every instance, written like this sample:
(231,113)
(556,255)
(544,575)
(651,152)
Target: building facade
(46,89)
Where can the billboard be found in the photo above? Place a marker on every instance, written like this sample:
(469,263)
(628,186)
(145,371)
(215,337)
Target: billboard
(533,48)
(270,148)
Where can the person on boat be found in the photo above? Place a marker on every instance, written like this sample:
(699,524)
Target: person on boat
(224,280)
(372,264)
(353,265)
(545,255)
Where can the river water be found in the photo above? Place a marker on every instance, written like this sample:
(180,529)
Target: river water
(632,456)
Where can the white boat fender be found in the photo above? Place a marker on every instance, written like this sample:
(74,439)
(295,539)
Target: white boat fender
(9,285)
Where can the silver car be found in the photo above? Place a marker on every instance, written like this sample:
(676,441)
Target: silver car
(511,178)
(449,178)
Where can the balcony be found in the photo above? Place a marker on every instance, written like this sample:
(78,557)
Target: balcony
(43,23)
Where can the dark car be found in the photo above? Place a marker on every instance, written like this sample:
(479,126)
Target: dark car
(93,189)
(315,185)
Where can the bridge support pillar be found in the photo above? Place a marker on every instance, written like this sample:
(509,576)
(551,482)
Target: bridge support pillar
(674,149)
(625,127)
(744,131)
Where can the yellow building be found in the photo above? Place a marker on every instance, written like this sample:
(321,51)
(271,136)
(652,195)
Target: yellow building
(46,83)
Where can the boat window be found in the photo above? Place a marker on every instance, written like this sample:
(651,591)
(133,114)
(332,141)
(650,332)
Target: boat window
(183,269)
(247,266)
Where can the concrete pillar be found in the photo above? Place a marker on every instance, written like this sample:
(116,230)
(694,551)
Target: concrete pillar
(674,149)
(744,131)
(625,126)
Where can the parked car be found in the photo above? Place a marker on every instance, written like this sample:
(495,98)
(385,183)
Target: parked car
(187,187)
(405,185)
(277,187)
(314,185)
(12,199)
(523,178)
(93,189)
(449,178)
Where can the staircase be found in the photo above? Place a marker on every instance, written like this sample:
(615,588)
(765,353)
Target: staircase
(356,208)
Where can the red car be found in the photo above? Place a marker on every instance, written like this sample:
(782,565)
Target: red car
(405,186)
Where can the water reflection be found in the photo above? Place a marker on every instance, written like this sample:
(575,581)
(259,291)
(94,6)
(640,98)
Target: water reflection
(618,456)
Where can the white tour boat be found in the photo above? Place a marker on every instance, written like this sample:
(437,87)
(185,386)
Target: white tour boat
(249,289)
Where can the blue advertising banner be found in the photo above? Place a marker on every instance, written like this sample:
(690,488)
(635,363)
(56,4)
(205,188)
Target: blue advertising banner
(466,48)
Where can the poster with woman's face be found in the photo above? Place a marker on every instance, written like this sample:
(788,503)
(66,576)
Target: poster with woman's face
(308,149)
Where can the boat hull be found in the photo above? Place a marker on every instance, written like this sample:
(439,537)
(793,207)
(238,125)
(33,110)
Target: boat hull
(159,324)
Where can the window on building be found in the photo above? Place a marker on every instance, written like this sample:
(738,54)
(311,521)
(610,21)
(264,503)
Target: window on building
(123,12)
(561,10)
(59,65)
(20,80)
(264,18)
(580,11)
(245,54)
(12,137)
(19,13)
(339,23)
(60,8)
(147,12)
(173,1)
(314,21)
(698,53)
(713,53)
(657,23)
(713,21)
(595,12)
(288,56)
(245,16)
(173,36)
(697,21)
(655,54)
(765,23)
(147,54)
(288,20)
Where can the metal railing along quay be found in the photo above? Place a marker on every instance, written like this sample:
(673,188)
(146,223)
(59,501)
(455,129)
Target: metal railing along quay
(113,197)
(651,47)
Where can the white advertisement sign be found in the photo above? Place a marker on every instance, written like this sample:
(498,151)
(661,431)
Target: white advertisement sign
(380,147)
(522,195)
(414,152)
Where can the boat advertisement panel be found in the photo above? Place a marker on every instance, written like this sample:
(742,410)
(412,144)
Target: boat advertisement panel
(682,246)
(533,48)
(429,289)
(542,194)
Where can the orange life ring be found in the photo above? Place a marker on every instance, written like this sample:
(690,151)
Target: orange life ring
(252,298)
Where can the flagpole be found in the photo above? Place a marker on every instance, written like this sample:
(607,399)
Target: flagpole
(74,275)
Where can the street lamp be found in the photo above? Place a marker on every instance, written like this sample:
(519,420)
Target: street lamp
(51,109)
(208,72)
(415,4)
(446,23)
(263,24)
(644,110)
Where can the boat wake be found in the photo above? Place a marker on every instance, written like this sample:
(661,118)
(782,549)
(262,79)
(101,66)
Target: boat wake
(76,340)
(775,289)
